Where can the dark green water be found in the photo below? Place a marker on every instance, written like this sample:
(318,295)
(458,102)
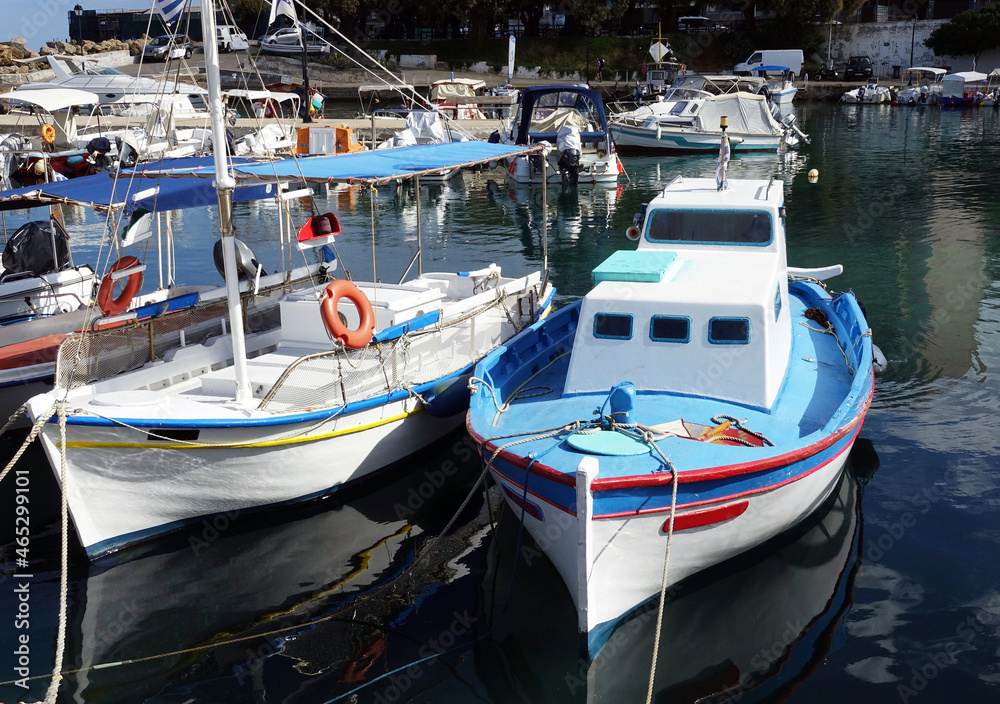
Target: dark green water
(891,593)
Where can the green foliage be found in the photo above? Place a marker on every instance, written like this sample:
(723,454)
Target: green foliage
(968,32)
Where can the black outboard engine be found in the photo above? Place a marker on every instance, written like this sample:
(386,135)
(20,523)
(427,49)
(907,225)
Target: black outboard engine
(569,145)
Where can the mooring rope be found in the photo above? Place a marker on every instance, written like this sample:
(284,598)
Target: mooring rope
(53,691)
(13,417)
(35,429)
(663,580)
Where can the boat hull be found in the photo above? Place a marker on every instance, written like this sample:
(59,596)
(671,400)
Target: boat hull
(627,551)
(605,170)
(169,485)
(638,138)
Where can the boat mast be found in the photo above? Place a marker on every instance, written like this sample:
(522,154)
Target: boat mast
(225,184)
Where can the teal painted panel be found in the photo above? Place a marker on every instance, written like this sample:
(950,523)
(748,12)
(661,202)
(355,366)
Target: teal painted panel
(631,265)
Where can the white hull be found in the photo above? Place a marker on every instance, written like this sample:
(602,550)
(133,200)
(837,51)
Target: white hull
(166,488)
(626,554)
(168,444)
(592,170)
(784,96)
(689,139)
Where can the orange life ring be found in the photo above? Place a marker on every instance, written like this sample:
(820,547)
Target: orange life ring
(48,133)
(113,305)
(360,336)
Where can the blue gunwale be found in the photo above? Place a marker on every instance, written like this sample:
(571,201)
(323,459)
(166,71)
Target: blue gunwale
(818,415)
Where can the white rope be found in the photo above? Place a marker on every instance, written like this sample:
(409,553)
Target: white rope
(663,583)
(42,419)
(13,417)
(53,691)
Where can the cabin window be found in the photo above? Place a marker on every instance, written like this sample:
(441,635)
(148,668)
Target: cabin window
(614,326)
(777,303)
(729,331)
(670,328)
(712,226)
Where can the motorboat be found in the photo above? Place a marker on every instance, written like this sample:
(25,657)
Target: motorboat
(780,82)
(921,86)
(992,97)
(571,119)
(701,399)
(963,89)
(246,419)
(695,125)
(871,93)
(456,97)
(111,85)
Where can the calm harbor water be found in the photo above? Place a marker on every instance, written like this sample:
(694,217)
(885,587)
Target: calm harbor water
(891,592)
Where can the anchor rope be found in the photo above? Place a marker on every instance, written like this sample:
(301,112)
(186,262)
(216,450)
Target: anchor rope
(35,429)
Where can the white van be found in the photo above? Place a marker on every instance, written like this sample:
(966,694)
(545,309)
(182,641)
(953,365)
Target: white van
(230,38)
(789,58)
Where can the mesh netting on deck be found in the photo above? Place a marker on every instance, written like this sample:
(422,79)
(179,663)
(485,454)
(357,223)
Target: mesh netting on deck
(93,356)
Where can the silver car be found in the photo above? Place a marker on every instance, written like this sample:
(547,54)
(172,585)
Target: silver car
(168,46)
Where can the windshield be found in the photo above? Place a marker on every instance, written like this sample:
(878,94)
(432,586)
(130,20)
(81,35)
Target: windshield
(710,226)
(104,71)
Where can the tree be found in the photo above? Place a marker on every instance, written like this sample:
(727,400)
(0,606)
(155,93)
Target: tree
(968,32)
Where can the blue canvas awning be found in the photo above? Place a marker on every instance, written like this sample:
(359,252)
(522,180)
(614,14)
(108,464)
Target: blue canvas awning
(379,166)
(103,192)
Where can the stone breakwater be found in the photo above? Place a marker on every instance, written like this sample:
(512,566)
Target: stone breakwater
(13,52)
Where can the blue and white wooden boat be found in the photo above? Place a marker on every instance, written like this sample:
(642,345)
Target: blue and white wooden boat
(350,380)
(701,399)
(963,89)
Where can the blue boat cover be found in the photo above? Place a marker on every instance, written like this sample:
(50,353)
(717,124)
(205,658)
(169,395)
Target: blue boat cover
(536,94)
(103,191)
(380,165)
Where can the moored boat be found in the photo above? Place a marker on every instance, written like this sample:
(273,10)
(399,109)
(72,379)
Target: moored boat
(927,90)
(963,89)
(701,399)
(871,93)
(572,119)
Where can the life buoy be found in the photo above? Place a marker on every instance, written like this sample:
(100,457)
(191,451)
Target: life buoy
(360,336)
(113,305)
(48,134)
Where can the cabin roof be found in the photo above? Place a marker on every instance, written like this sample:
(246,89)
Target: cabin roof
(688,193)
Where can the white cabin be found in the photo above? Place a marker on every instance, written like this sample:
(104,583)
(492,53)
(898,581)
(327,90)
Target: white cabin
(700,308)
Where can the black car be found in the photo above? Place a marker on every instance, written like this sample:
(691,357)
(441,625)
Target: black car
(859,68)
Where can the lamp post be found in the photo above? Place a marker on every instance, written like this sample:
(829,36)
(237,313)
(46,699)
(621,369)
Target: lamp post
(913,36)
(78,11)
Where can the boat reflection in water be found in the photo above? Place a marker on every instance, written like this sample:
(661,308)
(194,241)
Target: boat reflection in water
(249,586)
(747,630)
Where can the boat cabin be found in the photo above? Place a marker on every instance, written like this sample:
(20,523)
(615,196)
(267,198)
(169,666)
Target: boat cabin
(700,308)
(543,110)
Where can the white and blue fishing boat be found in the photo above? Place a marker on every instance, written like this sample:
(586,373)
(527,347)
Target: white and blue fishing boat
(351,377)
(701,399)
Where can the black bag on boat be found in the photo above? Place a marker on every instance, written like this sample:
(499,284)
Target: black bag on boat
(30,249)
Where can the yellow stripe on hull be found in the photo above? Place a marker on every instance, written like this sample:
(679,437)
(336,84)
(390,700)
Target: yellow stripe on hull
(239,445)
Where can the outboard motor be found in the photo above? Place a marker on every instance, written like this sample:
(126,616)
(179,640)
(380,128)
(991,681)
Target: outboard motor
(247,265)
(569,145)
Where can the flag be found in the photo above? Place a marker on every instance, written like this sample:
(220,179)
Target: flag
(721,180)
(170,9)
(283,7)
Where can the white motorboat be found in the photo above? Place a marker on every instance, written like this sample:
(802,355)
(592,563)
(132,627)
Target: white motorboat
(352,378)
(456,97)
(780,83)
(572,119)
(871,93)
(921,86)
(695,125)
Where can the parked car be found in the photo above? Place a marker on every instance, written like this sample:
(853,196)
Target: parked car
(699,24)
(230,38)
(168,46)
(285,35)
(859,68)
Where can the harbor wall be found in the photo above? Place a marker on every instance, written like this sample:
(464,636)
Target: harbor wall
(889,45)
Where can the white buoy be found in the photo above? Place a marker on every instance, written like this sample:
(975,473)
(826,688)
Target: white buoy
(813,175)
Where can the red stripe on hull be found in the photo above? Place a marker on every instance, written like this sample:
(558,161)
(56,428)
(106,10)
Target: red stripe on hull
(707,517)
(30,352)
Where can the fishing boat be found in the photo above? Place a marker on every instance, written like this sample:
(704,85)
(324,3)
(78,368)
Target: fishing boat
(963,89)
(700,400)
(572,118)
(45,297)
(353,378)
(921,86)
(694,125)
(992,97)
(456,97)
